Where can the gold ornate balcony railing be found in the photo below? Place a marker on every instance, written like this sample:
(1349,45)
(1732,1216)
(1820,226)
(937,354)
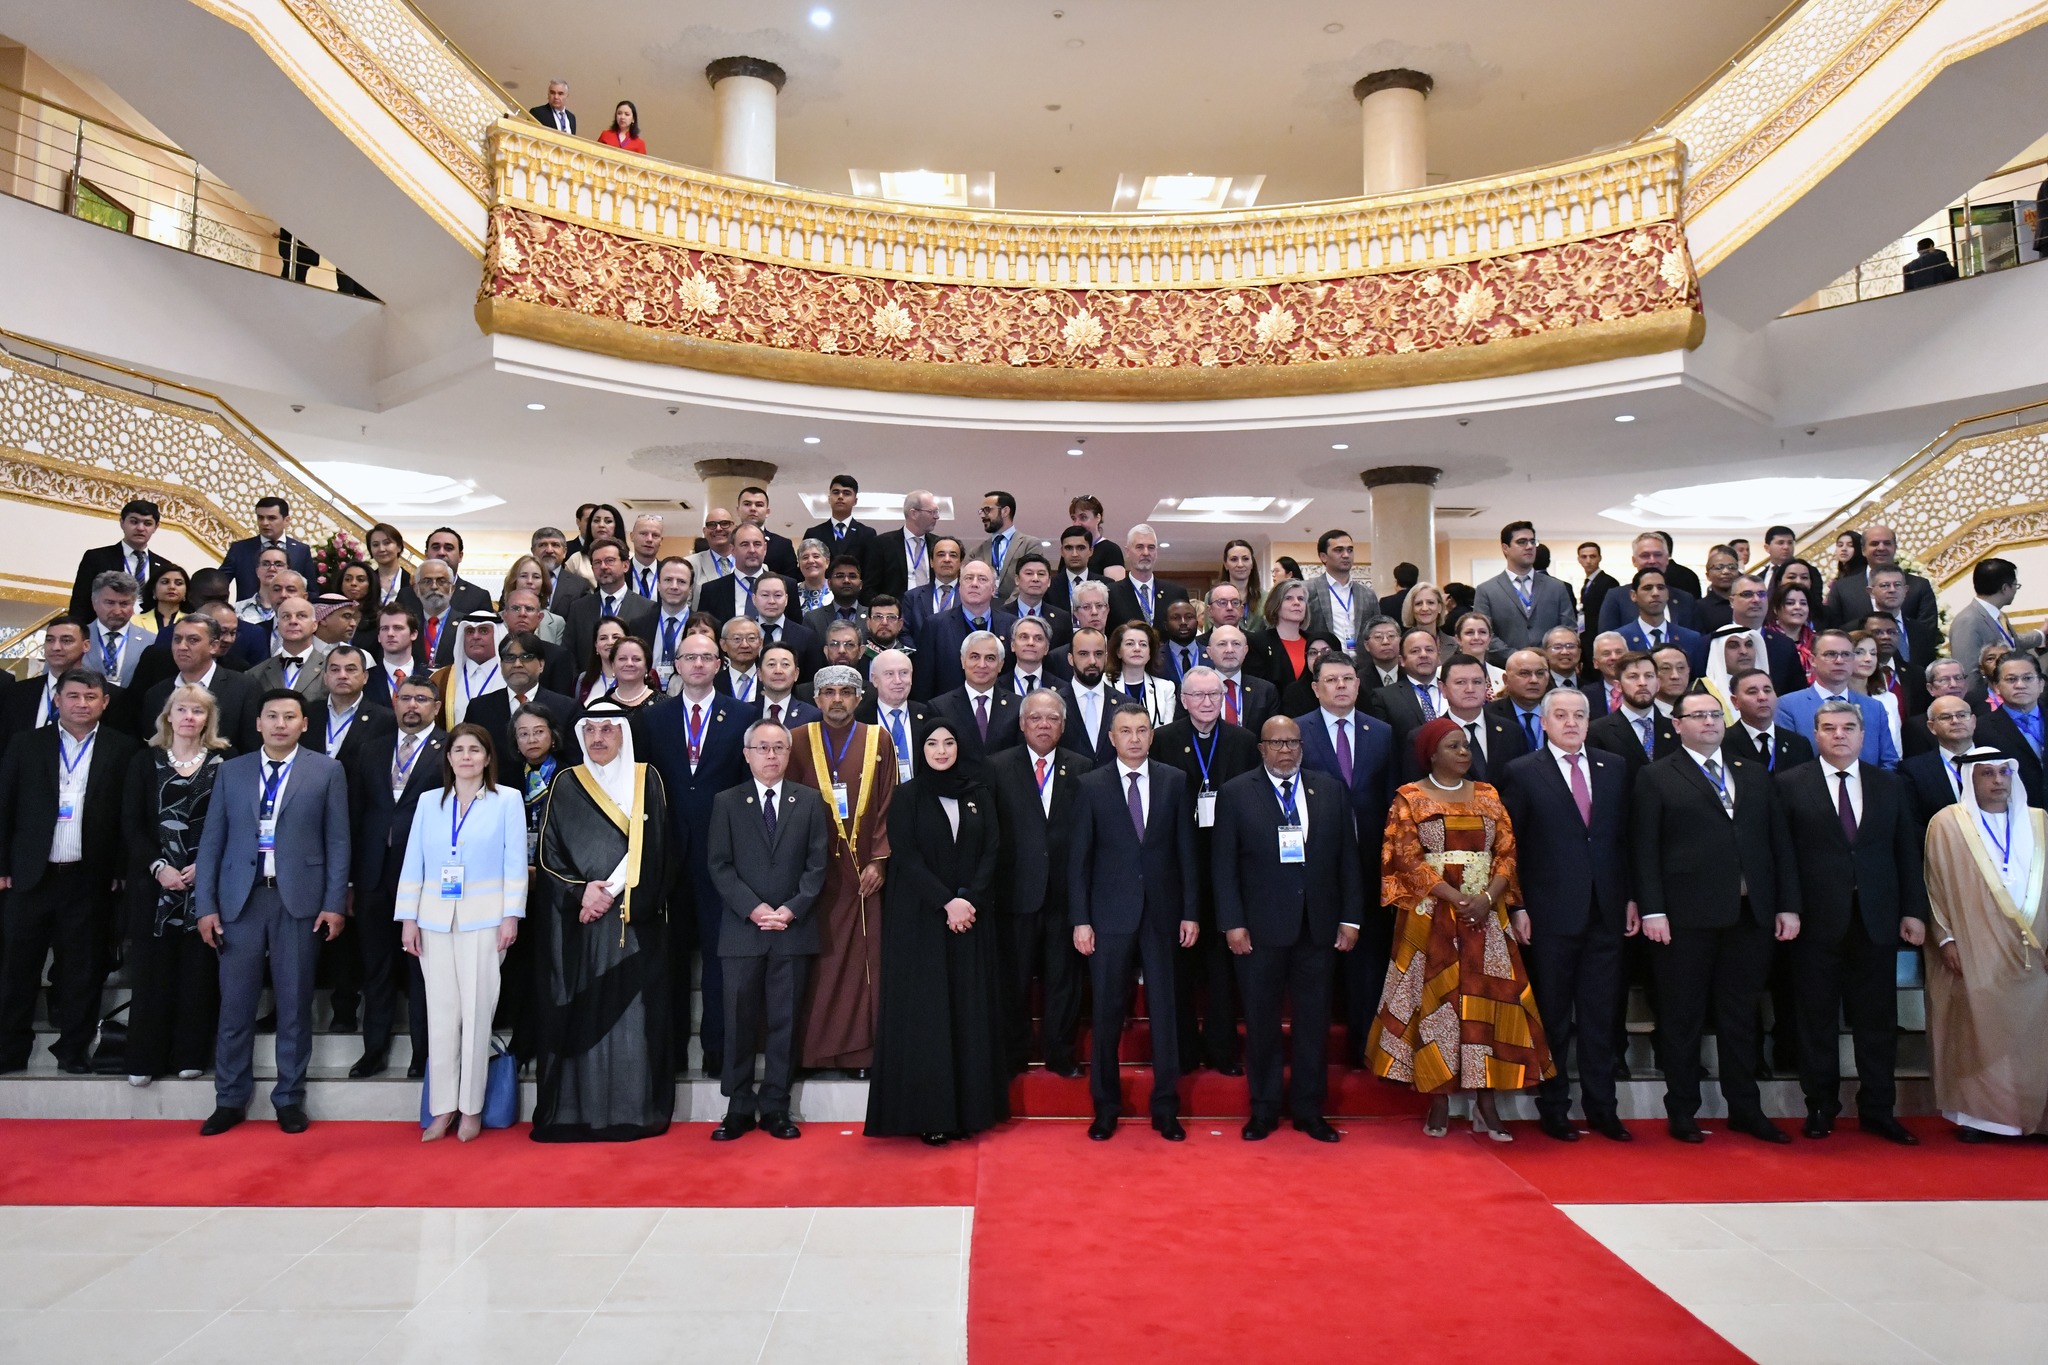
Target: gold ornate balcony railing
(83,435)
(1979,486)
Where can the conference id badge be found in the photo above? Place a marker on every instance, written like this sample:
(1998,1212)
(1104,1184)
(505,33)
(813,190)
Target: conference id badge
(1205,809)
(66,812)
(266,836)
(905,770)
(451,882)
(532,847)
(1293,844)
(839,799)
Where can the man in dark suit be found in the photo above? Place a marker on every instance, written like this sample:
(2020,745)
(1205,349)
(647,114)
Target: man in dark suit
(392,773)
(1940,678)
(2015,727)
(1849,596)
(1089,699)
(131,555)
(61,854)
(1934,779)
(1569,808)
(1717,883)
(1247,698)
(765,851)
(900,560)
(841,533)
(523,615)
(1495,740)
(1756,733)
(939,637)
(445,544)
(273,527)
(1526,678)
(1418,698)
(1637,730)
(780,553)
(1288,887)
(520,658)
(733,594)
(887,703)
(1028,669)
(1035,786)
(1654,626)
(1339,739)
(1861,895)
(1131,899)
(697,743)
(1139,595)
(636,613)
(1209,751)
(1599,583)
(778,627)
(1074,569)
(1648,551)
(271,884)
(33,704)
(983,714)
(192,640)
(340,725)
(555,113)
(1034,582)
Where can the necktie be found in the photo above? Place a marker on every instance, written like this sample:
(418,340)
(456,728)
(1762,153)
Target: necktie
(768,811)
(1230,710)
(1720,786)
(838,530)
(1763,748)
(1427,696)
(292,664)
(896,733)
(696,735)
(1523,595)
(981,717)
(1287,799)
(397,679)
(1088,702)
(1529,730)
(1646,734)
(1137,805)
(611,605)
(1582,795)
(139,565)
(2030,726)
(1903,654)
(1038,769)
(400,763)
(1656,636)
(1145,599)
(976,623)
(669,630)
(1472,734)
(646,583)
(1344,751)
(1844,809)
(1030,683)
(1187,660)
(110,655)
(270,788)
(946,593)
(775,712)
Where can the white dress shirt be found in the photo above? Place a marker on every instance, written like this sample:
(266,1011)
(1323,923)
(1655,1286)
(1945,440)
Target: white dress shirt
(1123,786)
(1727,780)
(67,845)
(1475,730)
(1300,800)
(1350,722)
(1091,722)
(1052,760)
(284,777)
(1855,772)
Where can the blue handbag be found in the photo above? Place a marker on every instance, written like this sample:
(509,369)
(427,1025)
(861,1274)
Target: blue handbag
(501,1091)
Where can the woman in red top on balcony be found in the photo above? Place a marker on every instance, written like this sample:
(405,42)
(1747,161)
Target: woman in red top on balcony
(625,129)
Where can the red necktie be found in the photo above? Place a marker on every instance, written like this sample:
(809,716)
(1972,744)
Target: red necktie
(1041,774)
(1230,701)
(1582,795)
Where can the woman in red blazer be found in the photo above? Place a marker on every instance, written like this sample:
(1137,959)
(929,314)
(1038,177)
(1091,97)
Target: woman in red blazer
(625,129)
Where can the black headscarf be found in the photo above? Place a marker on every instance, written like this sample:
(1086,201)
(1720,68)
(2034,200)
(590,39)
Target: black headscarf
(955,781)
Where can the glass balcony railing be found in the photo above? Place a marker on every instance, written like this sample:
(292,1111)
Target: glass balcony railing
(80,165)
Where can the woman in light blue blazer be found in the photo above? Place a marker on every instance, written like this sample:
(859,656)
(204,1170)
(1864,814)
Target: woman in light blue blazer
(461,895)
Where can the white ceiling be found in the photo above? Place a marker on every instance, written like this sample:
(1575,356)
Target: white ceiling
(1204,86)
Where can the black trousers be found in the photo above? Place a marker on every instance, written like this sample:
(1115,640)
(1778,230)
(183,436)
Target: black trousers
(1847,975)
(175,1002)
(1272,977)
(1578,979)
(341,969)
(1722,972)
(1110,972)
(1040,944)
(384,961)
(709,912)
(64,914)
(1208,991)
(763,996)
(1362,976)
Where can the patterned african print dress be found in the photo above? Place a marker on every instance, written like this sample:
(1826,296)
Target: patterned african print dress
(1457,1011)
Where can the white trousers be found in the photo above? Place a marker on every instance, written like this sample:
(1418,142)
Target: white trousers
(461,971)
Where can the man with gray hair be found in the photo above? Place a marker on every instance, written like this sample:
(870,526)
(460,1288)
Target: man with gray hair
(899,562)
(1091,612)
(1944,678)
(984,715)
(434,581)
(645,566)
(551,548)
(117,642)
(853,767)
(1140,595)
(555,113)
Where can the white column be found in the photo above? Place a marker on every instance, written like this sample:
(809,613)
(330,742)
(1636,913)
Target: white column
(743,91)
(1403,501)
(1396,129)
(723,480)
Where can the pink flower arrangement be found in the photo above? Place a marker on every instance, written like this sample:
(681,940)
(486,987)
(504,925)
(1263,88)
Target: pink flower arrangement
(336,553)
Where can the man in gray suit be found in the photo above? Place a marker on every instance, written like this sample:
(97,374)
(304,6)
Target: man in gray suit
(274,855)
(1521,603)
(300,659)
(1336,604)
(766,852)
(1006,544)
(1981,623)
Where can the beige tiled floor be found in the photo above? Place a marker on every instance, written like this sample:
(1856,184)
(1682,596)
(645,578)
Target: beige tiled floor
(1860,1284)
(118,1286)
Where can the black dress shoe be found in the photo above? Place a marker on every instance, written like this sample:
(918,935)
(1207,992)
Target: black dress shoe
(342,1023)
(220,1120)
(1888,1128)
(1973,1136)
(292,1118)
(779,1126)
(267,1023)
(416,1069)
(1258,1129)
(1102,1130)
(714,1064)
(1318,1128)
(1170,1129)
(1760,1128)
(1818,1124)
(733,1126)
(934,1139)
(1557,1126)
(75,1066)
(1228,1069)
(1610,1127)
(1685,1130)
(1066,1071)
(371,1063)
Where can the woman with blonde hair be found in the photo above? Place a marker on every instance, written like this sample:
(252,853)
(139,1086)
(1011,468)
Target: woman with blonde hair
(174,977)
(529,573)
(1426,606)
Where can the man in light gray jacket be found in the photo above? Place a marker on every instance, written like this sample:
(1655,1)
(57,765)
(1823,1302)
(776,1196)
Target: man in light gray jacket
(1522,603)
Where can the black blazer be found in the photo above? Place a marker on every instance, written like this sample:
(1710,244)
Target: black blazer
(1575,876)
(1996,729)
(1788,675)
(886,572)
(1060,594)
(1075,736)
(1279,902)
(721,596)
(19,707)
(1691,860)
(374,817)
(1235,753)
(545,116)
(95,562)
(810,650)
(1279,669)
(1032,856)
(579,631)
(1123,601)
(1594,593)
(371,724)
(1789,748)
(749,868)
(1398,707)
(1110,889)
(1002,720)
(859,535)
(936,665)
(1925,777)
(237,698)
(1614,735)
(240,561)
(28,805)
(493,711)
(1878,877)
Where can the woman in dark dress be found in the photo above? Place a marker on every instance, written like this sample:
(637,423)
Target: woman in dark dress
(940,1070)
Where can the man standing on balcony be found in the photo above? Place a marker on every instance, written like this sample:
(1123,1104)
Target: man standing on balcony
(273,531)
(555,113)
(139,520)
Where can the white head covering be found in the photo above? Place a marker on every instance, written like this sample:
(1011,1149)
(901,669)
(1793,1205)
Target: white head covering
(2014,828)
(468,679)
(615,777)
(1717,664)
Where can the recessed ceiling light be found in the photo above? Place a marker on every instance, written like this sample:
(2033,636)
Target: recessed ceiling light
(1184,193)
(812,440)
(821,17)
(944,189)
(1074,450)
(1340,446)
(1166,545)
(1225,504)
(1333,28)
(536,407)
(1624,417)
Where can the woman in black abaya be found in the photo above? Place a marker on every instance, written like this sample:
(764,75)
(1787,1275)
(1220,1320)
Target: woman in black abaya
(939,1067)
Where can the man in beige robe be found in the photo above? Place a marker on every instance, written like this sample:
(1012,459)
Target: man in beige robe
(853,766)
(1987,980)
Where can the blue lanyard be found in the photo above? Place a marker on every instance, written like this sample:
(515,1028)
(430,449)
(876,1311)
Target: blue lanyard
(1527,599)
(1428,703)
(1002,550)
(1204,760)
(914,546)
(346,721)
(696,730)
(391,592)
(2004,849)
(721,565)
(743,687)
(1285,791)
(468,693)
(838,755)
(275,783)
(405,768)
(1342,599)
(78,756)
(457,818)
(1049,770)
(1720,783)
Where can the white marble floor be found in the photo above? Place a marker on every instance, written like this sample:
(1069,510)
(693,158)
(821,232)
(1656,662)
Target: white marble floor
(133,1286)
(1856,1283)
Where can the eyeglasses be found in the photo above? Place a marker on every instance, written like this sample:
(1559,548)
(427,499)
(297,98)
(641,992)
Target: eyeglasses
(1834,654)
(1200,696)
(1696,715)
(511,658)
(768,748)
(718,525)
(1279,744)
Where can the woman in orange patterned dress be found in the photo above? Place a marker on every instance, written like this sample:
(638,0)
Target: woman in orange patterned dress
(1457,1012)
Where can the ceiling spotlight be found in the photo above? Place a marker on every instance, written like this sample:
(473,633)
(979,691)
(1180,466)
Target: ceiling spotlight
(1074,450)
(811,440)
(1340,446)
(821,17)
(536,407)
(1624,417)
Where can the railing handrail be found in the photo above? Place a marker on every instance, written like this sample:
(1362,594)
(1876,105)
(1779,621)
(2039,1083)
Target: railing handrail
(99,122)
(476,68)
(1741,54)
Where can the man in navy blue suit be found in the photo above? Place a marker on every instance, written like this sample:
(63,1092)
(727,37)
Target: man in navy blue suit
(1569,808)
(1652,625)
(1131,898)
(939,637)
(273,527)
(1339,739)
(697,744)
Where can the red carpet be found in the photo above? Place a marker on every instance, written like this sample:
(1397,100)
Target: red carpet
(1733,1169)
(1388,1247)
(1038,1094)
